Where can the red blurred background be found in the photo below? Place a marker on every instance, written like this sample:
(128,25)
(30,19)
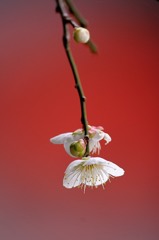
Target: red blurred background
(38,101)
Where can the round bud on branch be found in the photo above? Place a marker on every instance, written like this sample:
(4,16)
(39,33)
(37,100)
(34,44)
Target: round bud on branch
(81,35)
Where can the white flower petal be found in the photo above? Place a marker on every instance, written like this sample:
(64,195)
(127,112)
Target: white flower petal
(99,135)
(113,169)
(72,180)
(94,160)
(78,136)
(107,138)
(59,139)
(72,176)
(92,143)
(72,166)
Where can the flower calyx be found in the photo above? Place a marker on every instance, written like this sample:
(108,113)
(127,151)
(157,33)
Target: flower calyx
(78,148)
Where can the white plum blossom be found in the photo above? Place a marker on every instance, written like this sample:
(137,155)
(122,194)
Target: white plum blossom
(96,134)
(90,171)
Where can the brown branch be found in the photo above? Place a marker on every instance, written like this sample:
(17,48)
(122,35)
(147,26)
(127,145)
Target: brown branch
(65,20)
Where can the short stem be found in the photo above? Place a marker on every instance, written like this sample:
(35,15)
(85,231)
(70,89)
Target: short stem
(66,19)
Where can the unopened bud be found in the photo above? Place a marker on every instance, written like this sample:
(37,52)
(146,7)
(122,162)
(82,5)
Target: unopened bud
(81,35)
(78,148)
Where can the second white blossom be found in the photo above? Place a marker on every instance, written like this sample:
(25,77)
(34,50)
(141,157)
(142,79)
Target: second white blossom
(91,171)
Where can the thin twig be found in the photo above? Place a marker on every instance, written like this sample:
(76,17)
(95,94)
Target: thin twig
(82,22)
(73,10)
(65,20)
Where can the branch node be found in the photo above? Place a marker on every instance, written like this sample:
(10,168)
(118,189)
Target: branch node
(83,98)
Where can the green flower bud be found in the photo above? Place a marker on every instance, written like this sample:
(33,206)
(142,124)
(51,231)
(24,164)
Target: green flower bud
(78,148)
(81,35)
